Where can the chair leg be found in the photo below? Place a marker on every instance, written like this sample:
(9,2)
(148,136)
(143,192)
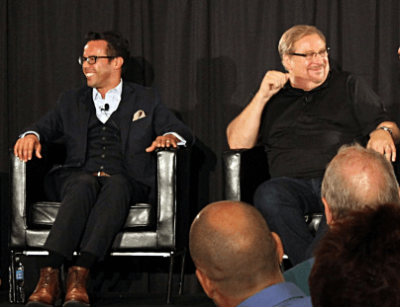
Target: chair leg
(12,277)
(171,268)
(182,272)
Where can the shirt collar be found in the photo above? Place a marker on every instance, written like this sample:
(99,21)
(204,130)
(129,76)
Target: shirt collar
(274,295)
(107,106)
(117,91)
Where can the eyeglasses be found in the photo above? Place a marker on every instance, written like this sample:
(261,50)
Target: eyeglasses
(92,59)
(311,55)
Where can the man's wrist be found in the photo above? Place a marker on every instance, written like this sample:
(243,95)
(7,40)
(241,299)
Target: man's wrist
(386,129)
(182,141)
(263,98)
(30,132)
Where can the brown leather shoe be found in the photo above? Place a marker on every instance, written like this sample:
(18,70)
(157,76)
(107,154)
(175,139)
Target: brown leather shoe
(76,287)
(47,291)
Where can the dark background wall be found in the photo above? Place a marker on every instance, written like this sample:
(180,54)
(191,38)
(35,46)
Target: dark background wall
(203,55)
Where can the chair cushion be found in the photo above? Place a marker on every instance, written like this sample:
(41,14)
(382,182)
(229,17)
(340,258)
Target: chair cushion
(43,215)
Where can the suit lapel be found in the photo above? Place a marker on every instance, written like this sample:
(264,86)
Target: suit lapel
(126,106)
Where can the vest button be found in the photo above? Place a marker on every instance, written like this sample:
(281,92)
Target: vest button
(103,156)
(102,167)
(104,128)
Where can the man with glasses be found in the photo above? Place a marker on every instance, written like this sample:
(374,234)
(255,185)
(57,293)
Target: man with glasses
(109,127)
(302,118)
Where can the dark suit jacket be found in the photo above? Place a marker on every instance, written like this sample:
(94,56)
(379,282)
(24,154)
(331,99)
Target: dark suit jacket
(69,120)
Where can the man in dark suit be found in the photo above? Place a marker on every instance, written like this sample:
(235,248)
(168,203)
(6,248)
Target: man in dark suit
(109,128)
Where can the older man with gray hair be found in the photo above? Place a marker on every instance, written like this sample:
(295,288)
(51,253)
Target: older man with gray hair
(357,178)
(302,117)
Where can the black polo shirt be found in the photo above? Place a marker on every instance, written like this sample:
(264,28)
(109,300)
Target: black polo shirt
(302,131)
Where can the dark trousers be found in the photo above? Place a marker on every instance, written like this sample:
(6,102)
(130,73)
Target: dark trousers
(93,209)
(283,202)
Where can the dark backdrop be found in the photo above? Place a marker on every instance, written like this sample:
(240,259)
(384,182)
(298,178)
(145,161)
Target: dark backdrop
(204,57)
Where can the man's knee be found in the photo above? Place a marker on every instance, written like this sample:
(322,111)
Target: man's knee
(274,196)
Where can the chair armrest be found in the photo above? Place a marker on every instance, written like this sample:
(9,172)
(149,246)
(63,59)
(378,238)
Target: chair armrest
(27,187)
(18,201)
(172,163)
(244,170)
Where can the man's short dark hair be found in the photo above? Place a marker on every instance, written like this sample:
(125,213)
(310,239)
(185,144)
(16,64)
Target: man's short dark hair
(117,45)
(358,261)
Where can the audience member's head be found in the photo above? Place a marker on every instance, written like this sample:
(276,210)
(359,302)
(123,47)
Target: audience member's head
(357,262)
(357,178)
(234,251)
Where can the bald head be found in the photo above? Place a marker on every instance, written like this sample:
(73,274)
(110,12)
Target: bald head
(358,177)
(232,245)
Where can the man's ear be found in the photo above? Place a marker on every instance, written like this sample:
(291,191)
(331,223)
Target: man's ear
(279,246)
(286,62)
(118,62)
(206,283)
(328,212)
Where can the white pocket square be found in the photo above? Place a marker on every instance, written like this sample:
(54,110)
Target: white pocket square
(138,115)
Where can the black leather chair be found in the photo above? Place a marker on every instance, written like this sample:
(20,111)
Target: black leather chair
(244,170)
(148,231)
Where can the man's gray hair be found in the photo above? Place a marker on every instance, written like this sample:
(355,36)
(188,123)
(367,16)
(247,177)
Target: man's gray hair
(286,43)
(343,189)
